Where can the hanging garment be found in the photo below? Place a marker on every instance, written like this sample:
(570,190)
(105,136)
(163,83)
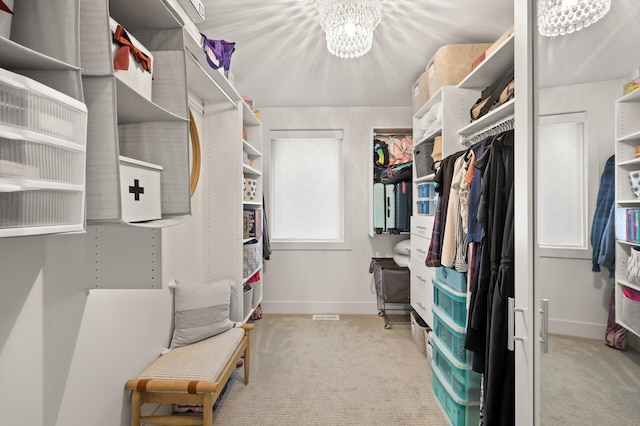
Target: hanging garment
(266,241)
(449,237)
(603,248)
(496,167)
(499,396)
(442,180)
(463,185)
(474,228)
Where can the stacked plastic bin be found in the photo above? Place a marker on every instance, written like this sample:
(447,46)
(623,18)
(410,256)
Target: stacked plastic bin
(42,158)
(455,385)
(427,198)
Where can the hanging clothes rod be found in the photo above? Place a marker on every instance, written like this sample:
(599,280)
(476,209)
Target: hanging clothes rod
(492,130)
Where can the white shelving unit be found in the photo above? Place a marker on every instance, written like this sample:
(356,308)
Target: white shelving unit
(456,127)
(225,117)
(627,113)
(455,114)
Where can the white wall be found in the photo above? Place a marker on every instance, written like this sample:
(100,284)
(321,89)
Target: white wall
(578,298)
(65,354)
(332,281)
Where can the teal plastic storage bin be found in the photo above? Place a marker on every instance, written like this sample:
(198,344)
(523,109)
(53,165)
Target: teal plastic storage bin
(464,382)
(451,336)
(454,279)
(451,302)
(459,412)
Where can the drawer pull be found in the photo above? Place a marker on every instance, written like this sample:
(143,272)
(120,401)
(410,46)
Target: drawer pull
(421,227)
(421,251)
(421,279)
(421,305)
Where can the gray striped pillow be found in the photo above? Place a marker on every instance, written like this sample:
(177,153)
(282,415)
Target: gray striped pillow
(201,311)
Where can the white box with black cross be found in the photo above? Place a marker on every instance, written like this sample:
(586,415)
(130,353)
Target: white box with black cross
(140,190)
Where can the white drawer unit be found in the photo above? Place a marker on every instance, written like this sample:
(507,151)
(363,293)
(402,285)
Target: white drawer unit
(422,290)
(421,304)
(42,158)
(421,275)
(422,225)
(419,247)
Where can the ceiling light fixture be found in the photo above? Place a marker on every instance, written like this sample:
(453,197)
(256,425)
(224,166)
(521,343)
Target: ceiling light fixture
(349,25)
(560,17)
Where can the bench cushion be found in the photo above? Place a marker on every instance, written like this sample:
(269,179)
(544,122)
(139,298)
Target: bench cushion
(203,360)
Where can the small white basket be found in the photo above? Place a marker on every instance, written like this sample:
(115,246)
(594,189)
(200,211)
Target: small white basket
(251,258)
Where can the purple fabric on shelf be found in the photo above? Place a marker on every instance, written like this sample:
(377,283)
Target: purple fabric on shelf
(222,50)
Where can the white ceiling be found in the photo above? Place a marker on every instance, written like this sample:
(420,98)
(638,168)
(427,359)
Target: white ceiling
(281,57)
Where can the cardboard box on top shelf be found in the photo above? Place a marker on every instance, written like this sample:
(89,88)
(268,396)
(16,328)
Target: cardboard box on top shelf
(451,64)
(499,42)
(420,91)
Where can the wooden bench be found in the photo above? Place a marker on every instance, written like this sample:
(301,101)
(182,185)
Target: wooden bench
(192,374)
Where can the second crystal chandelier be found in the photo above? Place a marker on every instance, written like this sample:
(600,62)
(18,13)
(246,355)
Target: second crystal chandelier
(560,17)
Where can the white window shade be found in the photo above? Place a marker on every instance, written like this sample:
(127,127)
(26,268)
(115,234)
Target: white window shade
(307,187)
(561,158)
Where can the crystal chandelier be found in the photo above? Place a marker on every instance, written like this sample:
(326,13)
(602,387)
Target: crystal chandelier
(560,17)
(349,25)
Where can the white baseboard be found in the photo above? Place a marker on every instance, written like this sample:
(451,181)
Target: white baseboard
(344,308)
(577,329)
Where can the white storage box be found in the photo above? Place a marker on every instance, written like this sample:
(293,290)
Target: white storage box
(140,190)
(136,77)
(628,308)
(31,105)
(5,19)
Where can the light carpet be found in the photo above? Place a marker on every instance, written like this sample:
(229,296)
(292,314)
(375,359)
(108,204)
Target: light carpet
(583,382)
(346,372)
(354,372)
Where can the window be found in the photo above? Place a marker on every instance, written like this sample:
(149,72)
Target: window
(307,190)
(562,182)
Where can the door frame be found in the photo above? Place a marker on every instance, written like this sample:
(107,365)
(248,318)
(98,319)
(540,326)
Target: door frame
(526,105)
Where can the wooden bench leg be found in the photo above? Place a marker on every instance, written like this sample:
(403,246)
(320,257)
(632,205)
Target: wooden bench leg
(247,359)
(136,408)
(207,409)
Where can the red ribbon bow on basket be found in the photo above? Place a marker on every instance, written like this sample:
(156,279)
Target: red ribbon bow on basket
(4,7)
(121,61)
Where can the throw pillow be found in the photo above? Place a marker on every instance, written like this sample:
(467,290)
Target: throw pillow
(201,311)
